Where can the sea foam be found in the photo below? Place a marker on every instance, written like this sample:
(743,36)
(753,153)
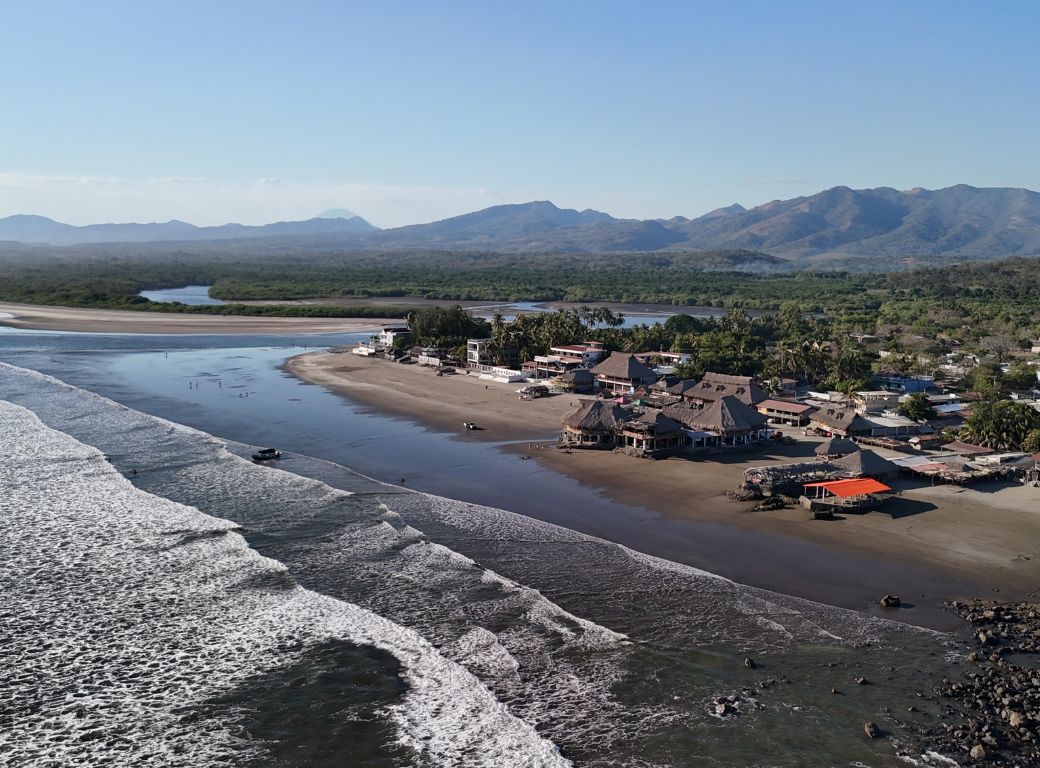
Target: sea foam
(121,609)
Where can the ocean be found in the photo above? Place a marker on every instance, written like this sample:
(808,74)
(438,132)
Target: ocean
(168,602)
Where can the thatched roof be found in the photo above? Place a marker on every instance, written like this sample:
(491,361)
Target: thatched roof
(682,387)
(726,416)
(661,423)
(714,386)
(840,417)
(577,376)
(865,464)
(623,365)
(836,446)
(597,416)
(662,384)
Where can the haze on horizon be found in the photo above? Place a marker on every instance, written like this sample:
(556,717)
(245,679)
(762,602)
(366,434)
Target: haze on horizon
(406,113)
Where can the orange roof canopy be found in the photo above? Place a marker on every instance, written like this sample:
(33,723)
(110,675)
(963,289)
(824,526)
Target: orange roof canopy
(846,488)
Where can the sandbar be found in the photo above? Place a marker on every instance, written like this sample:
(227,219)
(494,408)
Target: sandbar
(46,318)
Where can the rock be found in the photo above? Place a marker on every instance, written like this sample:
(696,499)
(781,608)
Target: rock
(862,681)
(977,752)
(750,664)
(891,601)
(872,730)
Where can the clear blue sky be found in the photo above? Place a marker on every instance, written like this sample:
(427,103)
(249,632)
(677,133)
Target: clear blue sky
(406,112)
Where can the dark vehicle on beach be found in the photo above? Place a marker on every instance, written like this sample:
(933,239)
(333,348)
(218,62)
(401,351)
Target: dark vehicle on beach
(267,454)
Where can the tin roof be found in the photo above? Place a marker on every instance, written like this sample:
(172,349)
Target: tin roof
(846,488)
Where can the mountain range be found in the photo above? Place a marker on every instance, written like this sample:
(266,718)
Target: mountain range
(866,230)
(41,230)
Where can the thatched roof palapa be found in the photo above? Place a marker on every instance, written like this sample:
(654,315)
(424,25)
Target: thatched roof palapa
(597,416)
(727,416)
(836,446)
(714,386)
(577,376)
(661,424)
(866,464)
(624,365)
(840,418)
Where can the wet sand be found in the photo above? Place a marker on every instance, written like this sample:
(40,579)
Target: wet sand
(982,539)
(43,318)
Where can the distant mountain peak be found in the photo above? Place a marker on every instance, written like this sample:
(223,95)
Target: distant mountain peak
(729,210)
(336,213)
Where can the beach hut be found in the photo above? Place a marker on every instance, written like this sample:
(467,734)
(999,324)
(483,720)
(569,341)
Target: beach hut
(835,448)
(594,424)
(734,422)
(866,464)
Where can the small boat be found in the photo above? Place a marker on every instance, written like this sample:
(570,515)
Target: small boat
(266,454)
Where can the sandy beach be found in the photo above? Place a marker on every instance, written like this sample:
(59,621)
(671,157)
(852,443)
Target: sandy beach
(43,318)
(987,535)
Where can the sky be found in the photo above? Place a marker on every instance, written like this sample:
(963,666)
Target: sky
(407,112)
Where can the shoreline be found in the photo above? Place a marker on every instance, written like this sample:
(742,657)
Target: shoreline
(71,319)
(974,543)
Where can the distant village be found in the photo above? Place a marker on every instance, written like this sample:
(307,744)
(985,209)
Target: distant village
(633,403)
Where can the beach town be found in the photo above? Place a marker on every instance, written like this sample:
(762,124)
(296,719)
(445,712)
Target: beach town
(722,448)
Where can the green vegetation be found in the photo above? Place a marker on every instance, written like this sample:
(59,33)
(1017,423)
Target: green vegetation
(918,407)
(1004,424)
(991,307)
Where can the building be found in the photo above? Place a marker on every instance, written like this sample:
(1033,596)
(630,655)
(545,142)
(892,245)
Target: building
(875,401)
(578,380)
(594,424)
(715,386)
(479,355)
(622,374)
(663,362)
(476,353)
(429,356)
(652,432)
(587,354)
(896,381)
(785,412)
(389,335)
(839,420)
(733,422)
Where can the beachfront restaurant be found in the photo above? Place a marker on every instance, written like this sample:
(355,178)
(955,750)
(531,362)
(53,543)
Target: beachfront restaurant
(730,420)
(594,424)
(652,432)
(860,493)
(622,374)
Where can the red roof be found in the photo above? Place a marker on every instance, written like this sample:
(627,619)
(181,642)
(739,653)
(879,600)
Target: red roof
(846,488)
(572,348)
(781,405)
